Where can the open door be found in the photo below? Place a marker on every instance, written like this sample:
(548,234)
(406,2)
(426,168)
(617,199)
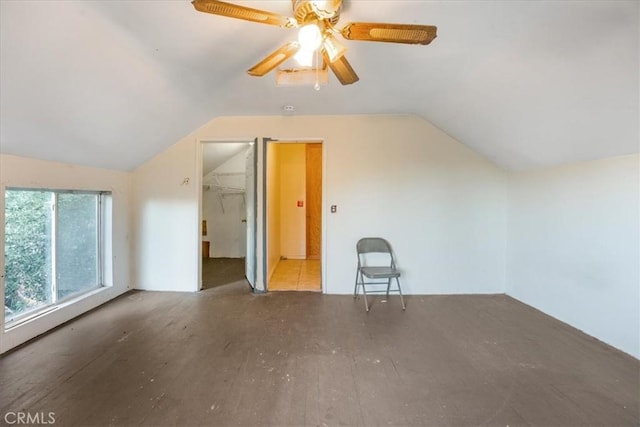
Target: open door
(251,206)
(314,200)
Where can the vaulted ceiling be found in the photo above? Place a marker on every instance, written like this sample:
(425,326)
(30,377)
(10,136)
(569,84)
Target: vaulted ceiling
(525,83)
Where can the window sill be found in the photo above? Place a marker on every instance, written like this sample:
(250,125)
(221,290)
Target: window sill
(45,311)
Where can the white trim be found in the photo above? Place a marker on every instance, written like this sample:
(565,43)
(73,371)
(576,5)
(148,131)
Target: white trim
(198,178)
(261,256)
(318,140)
(53,207)
(30,316)
(66,311)
(3,189)
(246,140)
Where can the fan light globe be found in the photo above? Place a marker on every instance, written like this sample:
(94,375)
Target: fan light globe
(335,50)
(304,57)
(309,37)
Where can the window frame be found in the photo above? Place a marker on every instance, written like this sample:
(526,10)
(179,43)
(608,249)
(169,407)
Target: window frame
(101,225)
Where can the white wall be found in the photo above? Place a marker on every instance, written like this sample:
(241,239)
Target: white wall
(224,212)
(573,246)
(167,230)
(442,206)
(292,183)
(29,173)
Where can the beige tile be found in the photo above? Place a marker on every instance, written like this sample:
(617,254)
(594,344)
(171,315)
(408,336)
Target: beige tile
(309,273)
(311,285)
(283,286)
(286,276)
(309,278)
(311,266)
(289,264)
(303,275)
(286,271)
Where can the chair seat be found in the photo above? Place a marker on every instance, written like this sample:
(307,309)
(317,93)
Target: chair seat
(380,272)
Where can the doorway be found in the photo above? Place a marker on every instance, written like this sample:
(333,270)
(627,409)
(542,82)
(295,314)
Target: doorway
(228,213)
(293,185)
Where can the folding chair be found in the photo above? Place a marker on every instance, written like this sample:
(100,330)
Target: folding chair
(385,269)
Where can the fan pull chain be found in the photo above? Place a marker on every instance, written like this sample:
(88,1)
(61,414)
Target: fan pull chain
(317,85)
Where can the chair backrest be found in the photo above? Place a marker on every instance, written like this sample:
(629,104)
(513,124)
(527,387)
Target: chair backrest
(375,245)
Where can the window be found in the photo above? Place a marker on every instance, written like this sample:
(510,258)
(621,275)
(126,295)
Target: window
(53,248)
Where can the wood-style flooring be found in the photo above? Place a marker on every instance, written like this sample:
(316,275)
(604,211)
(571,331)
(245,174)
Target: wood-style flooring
(222,271)
(296,275)
(225,357)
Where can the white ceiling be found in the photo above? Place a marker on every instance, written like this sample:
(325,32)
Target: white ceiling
(525,83)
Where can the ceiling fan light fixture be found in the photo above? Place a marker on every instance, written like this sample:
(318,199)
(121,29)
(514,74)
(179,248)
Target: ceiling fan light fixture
(319,4)
(302,77)
(326,9)
(304,57)
(333,48)
(309,37)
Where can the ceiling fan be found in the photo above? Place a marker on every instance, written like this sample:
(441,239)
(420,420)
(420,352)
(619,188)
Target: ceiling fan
(316,21)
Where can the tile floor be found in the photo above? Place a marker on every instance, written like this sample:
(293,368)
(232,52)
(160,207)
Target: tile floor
(296,275)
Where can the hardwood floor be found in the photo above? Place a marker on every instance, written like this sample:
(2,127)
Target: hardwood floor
(222,271)
(227,357)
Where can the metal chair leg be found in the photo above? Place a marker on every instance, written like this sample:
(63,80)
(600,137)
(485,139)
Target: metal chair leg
(364,293)
(355,290)
(400,292)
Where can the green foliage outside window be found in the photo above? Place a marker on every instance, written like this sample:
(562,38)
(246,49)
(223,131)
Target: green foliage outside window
(29,247)
(27,250)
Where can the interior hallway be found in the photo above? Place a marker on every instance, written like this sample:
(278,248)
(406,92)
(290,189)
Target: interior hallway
(296,275)
(227,357)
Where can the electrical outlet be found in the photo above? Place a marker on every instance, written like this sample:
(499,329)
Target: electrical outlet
(334,208)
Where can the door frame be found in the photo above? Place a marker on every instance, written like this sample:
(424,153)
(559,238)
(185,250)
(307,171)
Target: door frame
(263,197)
(198,182)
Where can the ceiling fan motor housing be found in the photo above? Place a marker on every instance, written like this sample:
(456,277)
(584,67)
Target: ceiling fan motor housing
(310,10)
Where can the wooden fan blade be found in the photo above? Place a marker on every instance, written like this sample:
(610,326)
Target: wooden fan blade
(274,59)
(342,69)
(391,33)
(241,12)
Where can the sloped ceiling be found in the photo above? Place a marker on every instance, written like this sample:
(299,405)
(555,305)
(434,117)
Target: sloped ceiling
(216,154)
(525,83)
